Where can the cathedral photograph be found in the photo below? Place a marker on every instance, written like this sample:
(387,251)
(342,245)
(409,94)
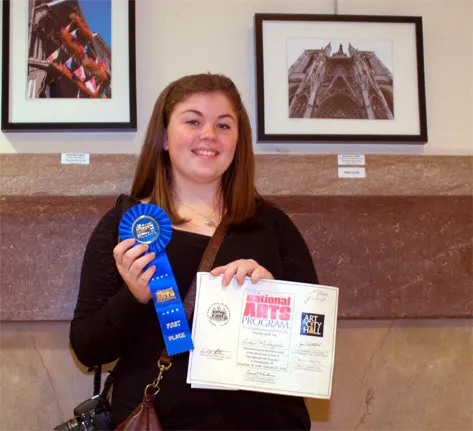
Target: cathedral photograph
(340,79)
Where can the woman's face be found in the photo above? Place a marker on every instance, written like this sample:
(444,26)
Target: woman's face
(201,137)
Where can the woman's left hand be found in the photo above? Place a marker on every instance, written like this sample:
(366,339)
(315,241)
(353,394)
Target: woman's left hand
(242,268)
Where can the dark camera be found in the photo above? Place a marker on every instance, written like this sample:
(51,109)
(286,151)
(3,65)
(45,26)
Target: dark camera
(91,415)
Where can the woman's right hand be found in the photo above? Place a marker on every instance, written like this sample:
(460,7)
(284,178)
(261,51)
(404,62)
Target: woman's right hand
(130,263)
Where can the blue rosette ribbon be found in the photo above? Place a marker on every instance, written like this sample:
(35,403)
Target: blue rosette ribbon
(149,224)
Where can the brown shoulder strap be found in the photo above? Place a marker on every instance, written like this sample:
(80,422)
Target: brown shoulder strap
(205,266)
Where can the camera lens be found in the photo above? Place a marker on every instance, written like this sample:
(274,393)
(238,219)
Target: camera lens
(71,425)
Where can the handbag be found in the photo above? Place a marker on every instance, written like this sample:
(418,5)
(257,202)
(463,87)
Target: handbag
(144,417)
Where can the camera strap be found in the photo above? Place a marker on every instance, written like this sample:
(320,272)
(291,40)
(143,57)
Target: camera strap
(98,380)
(107,385)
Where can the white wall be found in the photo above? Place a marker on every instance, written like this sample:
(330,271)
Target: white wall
(179,37)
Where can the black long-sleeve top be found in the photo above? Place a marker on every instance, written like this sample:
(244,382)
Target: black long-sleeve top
(109,324)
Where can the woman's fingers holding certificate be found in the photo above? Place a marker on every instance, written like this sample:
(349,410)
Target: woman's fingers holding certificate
(131,262)
(240,269)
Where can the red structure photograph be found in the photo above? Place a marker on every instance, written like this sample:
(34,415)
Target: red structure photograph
(69,49)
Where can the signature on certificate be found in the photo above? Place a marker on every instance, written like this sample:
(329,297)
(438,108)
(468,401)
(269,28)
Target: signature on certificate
(206,351)
(309,344)
(261,343)
(316,295)
(260,373)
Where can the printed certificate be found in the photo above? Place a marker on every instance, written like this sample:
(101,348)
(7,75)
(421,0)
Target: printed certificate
(273,336)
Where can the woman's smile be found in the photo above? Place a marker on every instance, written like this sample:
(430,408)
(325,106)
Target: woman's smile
(206,154)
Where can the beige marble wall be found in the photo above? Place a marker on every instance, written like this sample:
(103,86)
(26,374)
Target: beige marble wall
(41,381)
(310,175)
(389,375)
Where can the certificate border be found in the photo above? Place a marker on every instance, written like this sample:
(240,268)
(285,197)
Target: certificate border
(269,390)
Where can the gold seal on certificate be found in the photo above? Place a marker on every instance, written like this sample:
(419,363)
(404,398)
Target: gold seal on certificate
(280,337)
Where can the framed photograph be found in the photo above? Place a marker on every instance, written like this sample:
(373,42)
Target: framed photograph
(340,78)
(68,65)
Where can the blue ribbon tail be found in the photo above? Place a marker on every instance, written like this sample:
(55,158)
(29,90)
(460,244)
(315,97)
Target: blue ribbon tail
(169,307)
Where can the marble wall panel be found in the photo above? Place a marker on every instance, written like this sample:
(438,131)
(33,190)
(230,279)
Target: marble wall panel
(276,174)
(40,265)
(41,380)
(390,256)
(403,375)
(412,375)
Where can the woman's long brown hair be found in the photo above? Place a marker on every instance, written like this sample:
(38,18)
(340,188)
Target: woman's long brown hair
(153,175)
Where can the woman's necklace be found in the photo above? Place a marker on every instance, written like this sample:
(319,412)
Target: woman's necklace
(208,219)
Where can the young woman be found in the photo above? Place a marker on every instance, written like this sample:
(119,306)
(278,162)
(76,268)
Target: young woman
(197,164)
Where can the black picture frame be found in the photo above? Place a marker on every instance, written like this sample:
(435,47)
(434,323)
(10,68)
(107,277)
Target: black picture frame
(347,116)
(97,114)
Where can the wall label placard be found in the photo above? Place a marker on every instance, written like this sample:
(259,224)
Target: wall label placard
(75,158)
(349,172)
(351,159)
